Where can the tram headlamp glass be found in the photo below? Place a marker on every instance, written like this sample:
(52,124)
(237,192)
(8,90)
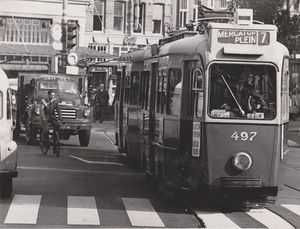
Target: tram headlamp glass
(242,161)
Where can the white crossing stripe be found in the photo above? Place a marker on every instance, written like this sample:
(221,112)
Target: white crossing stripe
(141,213)
(292,207)
(23,209)
(216,220)
(269,219)
(82,210)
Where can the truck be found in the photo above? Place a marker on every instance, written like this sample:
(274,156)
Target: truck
(8,147)
(77,116)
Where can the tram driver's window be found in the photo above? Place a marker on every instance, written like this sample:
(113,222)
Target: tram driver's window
(8,104)
(173,91)
(198,88)
(241,91)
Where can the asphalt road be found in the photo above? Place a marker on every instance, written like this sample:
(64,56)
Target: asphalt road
(86,187)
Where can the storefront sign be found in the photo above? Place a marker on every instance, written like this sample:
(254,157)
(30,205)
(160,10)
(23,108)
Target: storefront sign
(129,40)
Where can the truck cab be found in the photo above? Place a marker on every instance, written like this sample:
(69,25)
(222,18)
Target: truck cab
(77,118)
(8,147)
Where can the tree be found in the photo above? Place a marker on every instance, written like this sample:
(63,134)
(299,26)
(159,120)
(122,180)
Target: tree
(272,12)
(263,10)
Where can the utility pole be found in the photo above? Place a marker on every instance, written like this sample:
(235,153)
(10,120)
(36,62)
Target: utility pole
(64,23)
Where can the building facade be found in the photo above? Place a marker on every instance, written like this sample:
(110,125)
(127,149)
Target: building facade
(27,41)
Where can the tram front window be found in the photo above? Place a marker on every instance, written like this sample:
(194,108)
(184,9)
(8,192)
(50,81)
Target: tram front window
(242,91)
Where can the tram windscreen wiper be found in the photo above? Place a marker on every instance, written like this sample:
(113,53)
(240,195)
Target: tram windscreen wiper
(237,103)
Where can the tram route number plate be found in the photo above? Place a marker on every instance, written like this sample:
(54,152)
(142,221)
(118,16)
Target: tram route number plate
(65,127)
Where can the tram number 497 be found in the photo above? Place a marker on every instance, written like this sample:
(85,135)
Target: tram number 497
(243,136)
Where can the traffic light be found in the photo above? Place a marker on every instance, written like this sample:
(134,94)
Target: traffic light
(69,34)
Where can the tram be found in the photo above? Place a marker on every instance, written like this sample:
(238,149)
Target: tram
(208,112)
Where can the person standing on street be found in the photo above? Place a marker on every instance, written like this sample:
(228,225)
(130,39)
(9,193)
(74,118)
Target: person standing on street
(102,99)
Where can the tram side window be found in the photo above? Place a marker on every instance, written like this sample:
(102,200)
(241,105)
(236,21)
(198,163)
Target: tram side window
(127,89)
(173,91)
(161,93)
(144,89)
(134,88)
(242,91)
(8,110)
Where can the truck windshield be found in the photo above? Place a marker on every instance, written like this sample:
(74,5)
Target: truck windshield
(242,91)
(62,86)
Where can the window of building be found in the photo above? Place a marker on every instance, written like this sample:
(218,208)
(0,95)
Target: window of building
(100,48)
(183,14)
(119,15)
(139,14)
(157,18)
(223,4)
(24,30)
(98,23)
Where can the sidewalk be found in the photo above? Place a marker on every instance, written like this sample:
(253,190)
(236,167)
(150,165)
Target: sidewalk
(293,126)
(105,126)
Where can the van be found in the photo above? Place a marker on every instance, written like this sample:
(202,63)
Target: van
(8,147)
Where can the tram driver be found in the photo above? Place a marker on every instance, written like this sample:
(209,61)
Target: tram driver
(242,97)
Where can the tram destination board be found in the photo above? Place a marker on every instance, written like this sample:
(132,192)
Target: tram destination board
(243,37)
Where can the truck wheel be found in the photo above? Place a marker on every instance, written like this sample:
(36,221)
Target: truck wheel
(6,186)
(29,133)
(84,137)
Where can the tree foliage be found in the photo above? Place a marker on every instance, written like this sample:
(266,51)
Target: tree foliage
(272,12)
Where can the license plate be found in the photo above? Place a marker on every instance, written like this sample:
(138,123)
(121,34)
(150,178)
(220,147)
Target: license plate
(64,127)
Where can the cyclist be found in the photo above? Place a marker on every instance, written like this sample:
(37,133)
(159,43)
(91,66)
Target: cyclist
(48,107)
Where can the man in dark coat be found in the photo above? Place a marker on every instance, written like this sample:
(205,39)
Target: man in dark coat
(102,99)
(47,112)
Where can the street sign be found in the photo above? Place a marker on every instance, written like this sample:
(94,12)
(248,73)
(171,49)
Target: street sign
(57,45)
(72,70)
(72,58)
(56,32)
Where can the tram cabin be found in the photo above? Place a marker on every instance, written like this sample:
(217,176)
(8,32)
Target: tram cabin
(209,112)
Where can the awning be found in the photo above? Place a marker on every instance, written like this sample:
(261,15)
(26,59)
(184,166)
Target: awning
(48,51)
(85,52)
(27,49)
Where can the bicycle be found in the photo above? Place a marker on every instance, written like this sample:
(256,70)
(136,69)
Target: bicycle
(53,139)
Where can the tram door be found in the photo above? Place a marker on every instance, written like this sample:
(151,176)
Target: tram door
(148,118)
(191,122)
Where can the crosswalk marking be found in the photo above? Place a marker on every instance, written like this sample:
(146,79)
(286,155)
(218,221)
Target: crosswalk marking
(269,219)
(141,213)
(82,210)
(23,210)
(292,207)
(216,219)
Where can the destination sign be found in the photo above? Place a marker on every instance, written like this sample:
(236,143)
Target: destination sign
(243,37)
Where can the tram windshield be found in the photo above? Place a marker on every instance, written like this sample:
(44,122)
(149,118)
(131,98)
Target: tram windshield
(242,91)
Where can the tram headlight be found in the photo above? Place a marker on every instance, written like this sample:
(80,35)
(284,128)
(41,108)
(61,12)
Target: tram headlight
(242,161)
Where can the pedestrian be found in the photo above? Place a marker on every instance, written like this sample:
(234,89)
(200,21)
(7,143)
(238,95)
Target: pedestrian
(93,103)
(102,101)
(293,106)
(298,101)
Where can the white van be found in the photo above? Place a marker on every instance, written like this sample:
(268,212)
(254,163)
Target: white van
(8,147)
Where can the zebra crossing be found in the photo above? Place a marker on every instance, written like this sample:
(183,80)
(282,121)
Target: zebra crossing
(140,212)
(255,218)
(82,210)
